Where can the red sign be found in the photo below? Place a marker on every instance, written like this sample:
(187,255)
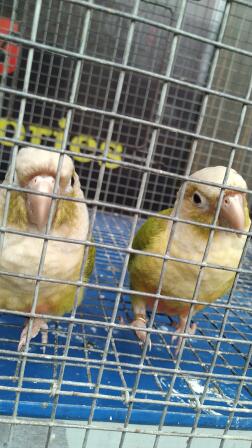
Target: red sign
(9,51)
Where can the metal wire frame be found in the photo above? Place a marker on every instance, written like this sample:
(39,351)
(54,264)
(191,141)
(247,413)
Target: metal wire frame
(7,199)
(204,105)
(112,325)
(126,118)
(93,126)
(196,288)
(101,175)
(128,67)
(129,430)
(154,136)
(14,154)
(154,309)
(135,18)
(43,254)
(238,133)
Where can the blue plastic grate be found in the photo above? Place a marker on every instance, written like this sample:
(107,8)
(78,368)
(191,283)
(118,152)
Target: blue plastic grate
(87,348)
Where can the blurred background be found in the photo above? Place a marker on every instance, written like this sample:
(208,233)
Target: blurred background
(60,25)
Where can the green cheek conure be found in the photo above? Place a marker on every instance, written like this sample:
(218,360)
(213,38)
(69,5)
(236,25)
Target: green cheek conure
(189,242)
(36,170)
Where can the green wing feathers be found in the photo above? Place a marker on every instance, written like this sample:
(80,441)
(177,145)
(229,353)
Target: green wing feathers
(89,263)
(150,228)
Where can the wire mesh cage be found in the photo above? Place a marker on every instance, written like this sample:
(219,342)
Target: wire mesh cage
(140,94)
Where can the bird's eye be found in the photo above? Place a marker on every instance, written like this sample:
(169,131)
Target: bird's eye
(72,181)
(197,199)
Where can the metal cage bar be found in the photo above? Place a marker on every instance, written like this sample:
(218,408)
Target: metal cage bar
(91,342)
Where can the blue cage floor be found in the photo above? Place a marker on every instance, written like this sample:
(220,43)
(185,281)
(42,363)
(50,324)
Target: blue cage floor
(87,346)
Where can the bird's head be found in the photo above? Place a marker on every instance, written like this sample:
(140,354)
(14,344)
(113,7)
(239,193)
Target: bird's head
(36,170)
(200,201)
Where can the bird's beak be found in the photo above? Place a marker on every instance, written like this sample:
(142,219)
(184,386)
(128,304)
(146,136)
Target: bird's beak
(232,211)
(38,207)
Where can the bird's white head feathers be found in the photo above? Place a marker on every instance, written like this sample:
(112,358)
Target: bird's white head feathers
(216,174)
(200,200)
(36,170)
(31,161)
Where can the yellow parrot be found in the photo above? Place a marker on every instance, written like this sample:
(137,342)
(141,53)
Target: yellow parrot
(36,170)
(189,242)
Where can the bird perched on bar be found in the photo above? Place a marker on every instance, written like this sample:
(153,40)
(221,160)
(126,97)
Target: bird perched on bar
(36,171)
(188,242)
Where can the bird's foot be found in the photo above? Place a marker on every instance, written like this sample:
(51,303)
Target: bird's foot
(140,322)
(180,328)
(121,320)
(37,326)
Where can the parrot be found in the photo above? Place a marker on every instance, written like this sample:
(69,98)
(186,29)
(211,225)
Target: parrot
(189,241)
(35,170)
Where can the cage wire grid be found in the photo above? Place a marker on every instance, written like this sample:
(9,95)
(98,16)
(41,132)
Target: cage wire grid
(95,97)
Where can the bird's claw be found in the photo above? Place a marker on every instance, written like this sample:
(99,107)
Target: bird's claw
(181,329)
(37,326)
(142,335)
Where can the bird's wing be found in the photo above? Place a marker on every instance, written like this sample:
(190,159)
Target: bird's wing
(151,228)
(89,263)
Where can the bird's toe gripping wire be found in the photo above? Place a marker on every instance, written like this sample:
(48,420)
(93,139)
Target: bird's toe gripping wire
(180,328)
(140,322)
(37,326)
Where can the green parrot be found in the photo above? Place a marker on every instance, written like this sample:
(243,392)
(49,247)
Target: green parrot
(36,170)
(189,242)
